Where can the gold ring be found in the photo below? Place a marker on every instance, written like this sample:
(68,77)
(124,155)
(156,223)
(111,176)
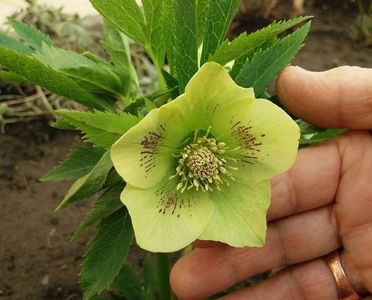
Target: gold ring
(344,287)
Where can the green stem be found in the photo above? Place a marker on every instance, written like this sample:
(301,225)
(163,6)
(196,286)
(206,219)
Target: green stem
(124,100)
(163,271)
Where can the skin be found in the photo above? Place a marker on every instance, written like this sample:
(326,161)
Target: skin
(322,203)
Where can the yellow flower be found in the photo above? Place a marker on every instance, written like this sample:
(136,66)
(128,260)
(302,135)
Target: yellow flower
(199,167)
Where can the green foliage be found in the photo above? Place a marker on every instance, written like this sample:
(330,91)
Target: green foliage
(170,34)
(11,76)
(149,279)
(172,84)
(9,42)
(136,108)
(202,7)
(155,269)
(38,73)
(151,30)
(186,47)
(117,45)
(154,15)
(129,284)
(89,184)
(311,135)
(162,276)
(33,37)
(126,15)
(112,179)
(88,71)
(100,128)
(245,43)
(266,65)
(220,15)
(96,77)
(63,125)
(105,206)
(107,253)
(361,29)
(242,60)
(80,161)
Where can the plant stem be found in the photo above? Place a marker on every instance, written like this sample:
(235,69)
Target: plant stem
(163,271)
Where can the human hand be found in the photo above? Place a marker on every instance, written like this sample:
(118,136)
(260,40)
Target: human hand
(322,203)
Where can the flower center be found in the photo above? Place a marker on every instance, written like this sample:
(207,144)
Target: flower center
(203,164)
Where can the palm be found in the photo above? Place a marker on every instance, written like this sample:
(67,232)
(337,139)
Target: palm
(322,203)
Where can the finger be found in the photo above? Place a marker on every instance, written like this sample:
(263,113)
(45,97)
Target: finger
(354,206)
(302,237)
(310,281)
(316,169)
(338,98)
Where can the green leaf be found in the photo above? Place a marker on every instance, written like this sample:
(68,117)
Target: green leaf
(136,106)
(169,33)
(11,76)
(126,15)
(266,65)
(101,297)
(186,48)
(171,83)
(63,125)
(94,58)
(117,45)
(40,74)
(242,60)
(113,178)
(30,35)
(202,7)
(149,279)
(238,65)
(88,185)
(8,42)
(107,252)
(129,284)
(246,43)
(149,105)
(95,77)
(321,136)
(155,17)
(105,206)
(80,161)
(220,15)
(100,128)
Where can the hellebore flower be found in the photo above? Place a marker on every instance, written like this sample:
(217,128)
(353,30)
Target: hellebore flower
(199,167)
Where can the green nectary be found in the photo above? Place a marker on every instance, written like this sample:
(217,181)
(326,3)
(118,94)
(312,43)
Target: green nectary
(199,167)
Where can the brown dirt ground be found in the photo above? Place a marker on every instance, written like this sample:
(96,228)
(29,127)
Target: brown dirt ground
(36,260)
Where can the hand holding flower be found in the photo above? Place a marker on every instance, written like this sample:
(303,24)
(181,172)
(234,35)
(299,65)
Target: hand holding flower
(323,202)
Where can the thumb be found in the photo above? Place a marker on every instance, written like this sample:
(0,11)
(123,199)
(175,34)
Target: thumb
(338,98)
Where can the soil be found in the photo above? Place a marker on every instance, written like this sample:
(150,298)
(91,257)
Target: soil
(37,261)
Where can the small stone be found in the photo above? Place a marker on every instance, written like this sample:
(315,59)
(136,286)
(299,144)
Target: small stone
(45,280)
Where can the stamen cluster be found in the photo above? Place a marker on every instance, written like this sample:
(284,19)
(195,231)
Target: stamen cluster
(202,165)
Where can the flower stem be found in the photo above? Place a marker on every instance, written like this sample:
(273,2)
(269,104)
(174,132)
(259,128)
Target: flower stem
(163,271)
